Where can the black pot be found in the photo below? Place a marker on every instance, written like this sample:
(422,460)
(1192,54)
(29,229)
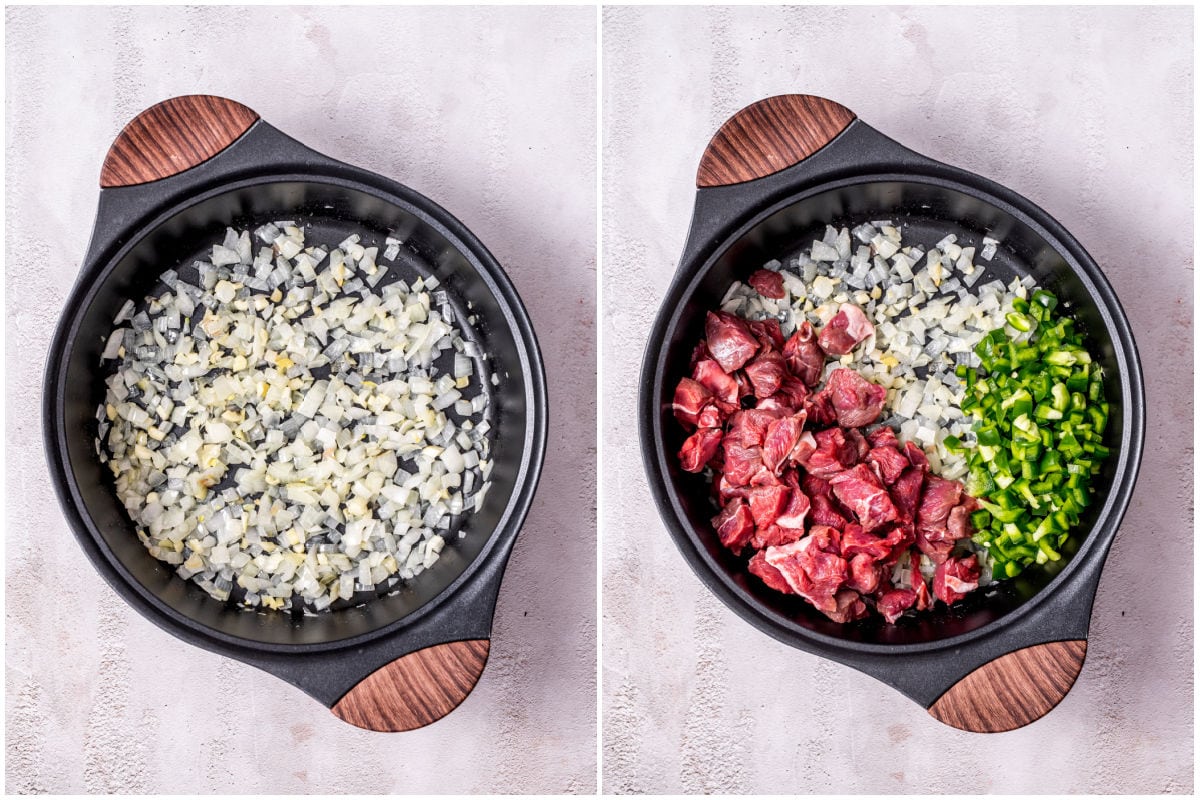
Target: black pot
(175,178)
(770,180)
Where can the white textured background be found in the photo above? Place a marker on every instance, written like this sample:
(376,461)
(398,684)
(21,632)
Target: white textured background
(489,112)
(1088,112)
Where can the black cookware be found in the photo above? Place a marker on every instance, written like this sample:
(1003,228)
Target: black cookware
(771,179)
(176,176)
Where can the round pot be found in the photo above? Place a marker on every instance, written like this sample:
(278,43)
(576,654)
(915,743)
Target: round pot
(176,176)
(769,181)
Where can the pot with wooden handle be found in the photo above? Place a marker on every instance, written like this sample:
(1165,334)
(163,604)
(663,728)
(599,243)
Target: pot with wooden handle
(771,179)
(175,177)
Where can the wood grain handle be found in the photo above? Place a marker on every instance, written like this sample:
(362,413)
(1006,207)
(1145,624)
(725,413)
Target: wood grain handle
(416,689)
(1013,690)
(770,135)
(173,136)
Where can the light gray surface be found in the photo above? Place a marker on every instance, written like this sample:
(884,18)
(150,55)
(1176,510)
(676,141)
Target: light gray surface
(459,103)
(1086,112)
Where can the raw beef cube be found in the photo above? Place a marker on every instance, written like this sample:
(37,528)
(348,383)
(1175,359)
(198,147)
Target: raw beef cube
(729,340)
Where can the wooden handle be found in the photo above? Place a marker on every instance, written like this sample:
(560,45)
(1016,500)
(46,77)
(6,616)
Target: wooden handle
(770,135)
(1013,690)
(416,689)
(173,136)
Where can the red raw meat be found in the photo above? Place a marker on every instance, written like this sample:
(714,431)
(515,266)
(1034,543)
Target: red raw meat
(812,567)
(741,463)
(772,476)
(860,491)
(865,574)
(768,333)
(906,492)
(767,574)
(848,606)
(767,503)
(804,356)
(766,372)
(939,497)
(792,392)
(935,543)
(820,409)
(813,486)
(856,401)
(774,536)
(794,512)
(883,436)
(845,331)
(959,522)
(781,440)
(888,462)
(767,283)
(708,373)
(955,578)
(856,541)
(690,399)
(858,441)
(749,427)
(699,449)
(895,602)
(923,601)
(916,456)
(729,340)
(824,512)
(834,453)
(734,525)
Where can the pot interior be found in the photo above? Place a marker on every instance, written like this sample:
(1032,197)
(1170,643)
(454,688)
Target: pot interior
(926,213)
(328,213)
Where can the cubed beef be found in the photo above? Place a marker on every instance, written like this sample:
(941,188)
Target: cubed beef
(955,578)
(856,401)
(767,283)
(916,456)
(823,511)
(833,454)
(939,497)
(848,606)
(781,440)
(741,463)
(766,372)
(724,387)
(888,463)
(774,536)
(768,574)
(895,602)
(906,492)
(690,399)
(699,449)
(768,333)
(848,327)
(729,340)
(883,436)
(734,525)
(795,511)
(865,574)
(805,358)
(792,393)
(749,427)
(812,567)
(767,503)
(860,491)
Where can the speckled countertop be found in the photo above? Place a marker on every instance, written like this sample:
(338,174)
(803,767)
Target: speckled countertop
(457,103)
(1088,112)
